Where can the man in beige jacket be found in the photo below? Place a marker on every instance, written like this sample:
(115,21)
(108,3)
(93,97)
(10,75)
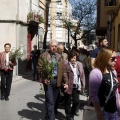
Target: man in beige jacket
(51,87)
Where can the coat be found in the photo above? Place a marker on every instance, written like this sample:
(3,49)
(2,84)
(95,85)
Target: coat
(46,55)
(2,61)
(68,76)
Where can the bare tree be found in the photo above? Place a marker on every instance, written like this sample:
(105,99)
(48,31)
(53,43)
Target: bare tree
(84,12)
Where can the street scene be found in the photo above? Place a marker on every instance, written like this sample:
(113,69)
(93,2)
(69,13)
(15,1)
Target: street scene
(60,60)
(27,102)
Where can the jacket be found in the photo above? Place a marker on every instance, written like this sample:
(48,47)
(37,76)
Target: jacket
(2,61)
(68,75)
(46,55)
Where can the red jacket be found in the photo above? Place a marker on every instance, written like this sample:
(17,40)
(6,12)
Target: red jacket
(117,67)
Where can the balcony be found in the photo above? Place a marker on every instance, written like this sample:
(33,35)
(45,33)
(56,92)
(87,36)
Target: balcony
(34,18)
(111,6)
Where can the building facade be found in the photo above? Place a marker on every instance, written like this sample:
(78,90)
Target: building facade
(112,9)
(58,10)
(108,17)
(19,23)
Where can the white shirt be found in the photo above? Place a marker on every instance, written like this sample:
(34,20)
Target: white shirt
(7,60)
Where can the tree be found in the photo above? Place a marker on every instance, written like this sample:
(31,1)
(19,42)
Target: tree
(84,13)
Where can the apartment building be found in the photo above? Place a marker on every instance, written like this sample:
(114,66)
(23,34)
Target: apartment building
(58,9)
(109,19)
(112,9)
(19,23)
(102,19)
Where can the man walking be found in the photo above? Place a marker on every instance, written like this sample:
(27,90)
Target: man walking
(60,50)
(34,60)
(103,42)
(50,87)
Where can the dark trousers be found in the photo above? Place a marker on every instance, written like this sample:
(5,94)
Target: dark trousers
(74,99)
(6,81)
(35,74)
(51,93)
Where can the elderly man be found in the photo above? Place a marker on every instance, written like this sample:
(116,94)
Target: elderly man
(50,86)
(60,50)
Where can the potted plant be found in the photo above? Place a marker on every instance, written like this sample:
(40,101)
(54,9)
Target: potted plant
(30,16)
(41,18)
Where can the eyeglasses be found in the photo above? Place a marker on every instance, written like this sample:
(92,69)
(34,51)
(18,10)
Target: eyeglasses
(113,58)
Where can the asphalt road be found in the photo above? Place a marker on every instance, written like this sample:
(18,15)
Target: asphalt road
(27,103)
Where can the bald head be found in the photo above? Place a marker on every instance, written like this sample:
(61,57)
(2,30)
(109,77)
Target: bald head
(60,49)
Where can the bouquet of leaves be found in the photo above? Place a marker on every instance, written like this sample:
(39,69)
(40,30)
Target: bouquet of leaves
(16,54)
(46,69)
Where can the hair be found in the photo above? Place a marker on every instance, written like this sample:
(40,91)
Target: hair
(35,46)
(71,54)
(60,45)
(101,39)
(52,41)
(7,44)
(102,59)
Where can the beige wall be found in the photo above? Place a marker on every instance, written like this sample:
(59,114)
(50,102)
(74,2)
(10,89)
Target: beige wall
(103,16)
(115,24)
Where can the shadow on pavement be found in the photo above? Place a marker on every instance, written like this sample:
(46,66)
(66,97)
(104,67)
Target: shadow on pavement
(82,103)
(36,111)
(60,116)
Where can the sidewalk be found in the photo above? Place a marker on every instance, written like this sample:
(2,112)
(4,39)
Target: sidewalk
(23,76)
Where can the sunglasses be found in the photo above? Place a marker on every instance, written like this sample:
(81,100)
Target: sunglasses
(113,58)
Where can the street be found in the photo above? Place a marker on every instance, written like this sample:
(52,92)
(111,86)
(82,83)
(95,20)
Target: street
(27,103)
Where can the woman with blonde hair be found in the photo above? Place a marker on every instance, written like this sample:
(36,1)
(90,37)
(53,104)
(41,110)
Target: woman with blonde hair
(103,86)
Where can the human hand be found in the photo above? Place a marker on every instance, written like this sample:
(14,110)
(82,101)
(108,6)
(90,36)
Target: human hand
(47,82)
(65,87)
(10,63)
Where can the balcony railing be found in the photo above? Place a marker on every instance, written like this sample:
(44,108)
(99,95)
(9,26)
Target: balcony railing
(111,6)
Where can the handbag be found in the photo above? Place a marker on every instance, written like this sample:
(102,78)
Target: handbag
(89,112)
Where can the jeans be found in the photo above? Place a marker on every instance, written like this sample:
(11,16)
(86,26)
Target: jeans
(51,93)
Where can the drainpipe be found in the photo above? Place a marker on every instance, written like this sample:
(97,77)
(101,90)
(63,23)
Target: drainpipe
(17,18)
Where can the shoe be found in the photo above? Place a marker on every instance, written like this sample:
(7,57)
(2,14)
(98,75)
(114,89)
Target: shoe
(6,99)
(2,98)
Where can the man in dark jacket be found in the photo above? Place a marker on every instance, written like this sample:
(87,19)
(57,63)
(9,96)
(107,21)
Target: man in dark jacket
(34,60)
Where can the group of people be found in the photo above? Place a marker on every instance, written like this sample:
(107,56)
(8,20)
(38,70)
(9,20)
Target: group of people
(68,75)
(103,82)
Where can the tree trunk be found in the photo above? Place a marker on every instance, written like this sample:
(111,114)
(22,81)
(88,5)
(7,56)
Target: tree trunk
(45,36)
(68,39)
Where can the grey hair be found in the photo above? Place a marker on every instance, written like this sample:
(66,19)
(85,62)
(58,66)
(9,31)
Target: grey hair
(53,41)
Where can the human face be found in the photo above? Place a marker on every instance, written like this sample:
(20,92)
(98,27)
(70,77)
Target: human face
(112,60)
(104,43)
(73,60)
(7,48)
(53,47)
(60,50)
